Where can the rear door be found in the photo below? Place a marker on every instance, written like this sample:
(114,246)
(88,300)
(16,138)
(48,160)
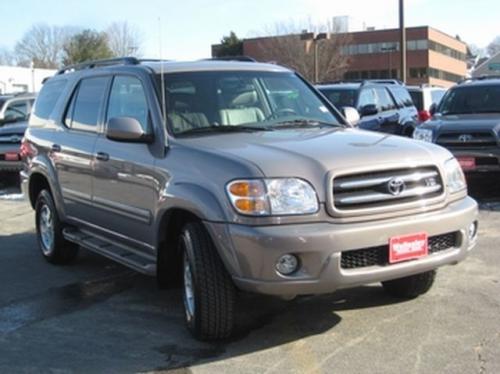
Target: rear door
(73,149)
(388,110)
(367,97)
(124,179)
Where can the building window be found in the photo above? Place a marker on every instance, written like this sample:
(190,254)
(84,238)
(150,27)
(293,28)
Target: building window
(411,45)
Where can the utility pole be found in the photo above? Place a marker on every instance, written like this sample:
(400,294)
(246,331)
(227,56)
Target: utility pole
(402,46)
(314,38)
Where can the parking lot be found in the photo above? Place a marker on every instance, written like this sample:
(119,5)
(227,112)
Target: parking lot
(96,315)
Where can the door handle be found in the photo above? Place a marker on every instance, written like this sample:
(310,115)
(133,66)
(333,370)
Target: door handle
(101,156)
(56,148)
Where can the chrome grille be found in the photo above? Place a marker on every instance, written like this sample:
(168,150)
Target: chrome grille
(11,138)
(467,139)
(382,188)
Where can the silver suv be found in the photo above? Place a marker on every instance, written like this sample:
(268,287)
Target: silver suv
(226,176)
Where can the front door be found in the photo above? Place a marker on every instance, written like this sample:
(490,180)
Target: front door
(124,181)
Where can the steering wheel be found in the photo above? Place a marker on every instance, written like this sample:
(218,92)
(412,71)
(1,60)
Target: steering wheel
(281,113)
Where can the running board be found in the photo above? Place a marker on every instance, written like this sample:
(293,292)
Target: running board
(124,255)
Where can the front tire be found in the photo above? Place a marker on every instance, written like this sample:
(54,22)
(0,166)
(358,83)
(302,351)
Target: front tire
(208,291)
(410,287)
(55,249)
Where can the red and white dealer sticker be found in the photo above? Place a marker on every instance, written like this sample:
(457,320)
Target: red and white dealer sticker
(408,247)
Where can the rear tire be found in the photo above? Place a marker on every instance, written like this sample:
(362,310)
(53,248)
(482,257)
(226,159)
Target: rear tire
(410,287)
(54,248)
(208,291)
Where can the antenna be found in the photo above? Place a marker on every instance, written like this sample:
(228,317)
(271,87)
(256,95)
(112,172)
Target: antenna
(163,104)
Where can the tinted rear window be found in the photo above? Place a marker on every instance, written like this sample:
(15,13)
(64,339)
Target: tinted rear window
(83,111)
(416,96)
(340,97)
(50,93)
(402,97)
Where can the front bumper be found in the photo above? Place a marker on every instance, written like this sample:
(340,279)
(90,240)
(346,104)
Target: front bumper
(487,159)
(250,252)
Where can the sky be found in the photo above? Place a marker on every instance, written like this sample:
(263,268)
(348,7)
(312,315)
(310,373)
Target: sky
(189,27)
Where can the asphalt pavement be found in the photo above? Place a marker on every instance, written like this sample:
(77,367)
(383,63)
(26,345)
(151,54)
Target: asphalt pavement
(95,316)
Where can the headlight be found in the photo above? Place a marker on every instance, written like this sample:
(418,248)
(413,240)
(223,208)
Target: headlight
(455,179)
(423,134)
(276,196)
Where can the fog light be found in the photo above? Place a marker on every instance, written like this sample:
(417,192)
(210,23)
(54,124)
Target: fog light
(473,231)
(287,264)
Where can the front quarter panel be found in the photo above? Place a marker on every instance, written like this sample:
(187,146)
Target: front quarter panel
(194,180)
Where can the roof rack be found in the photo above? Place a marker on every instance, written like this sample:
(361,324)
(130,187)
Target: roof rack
(99,63)
(231,58)
(365,81)
(384,81)
(480,78)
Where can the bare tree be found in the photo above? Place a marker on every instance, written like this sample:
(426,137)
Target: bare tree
(124,39)
(287,47)
(494,46)
(43,45)
(7,57)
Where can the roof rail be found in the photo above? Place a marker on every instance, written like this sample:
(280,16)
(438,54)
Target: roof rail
(231,58)
(99,63)
(365,81)
(338,81)
(384,81)
(480,78)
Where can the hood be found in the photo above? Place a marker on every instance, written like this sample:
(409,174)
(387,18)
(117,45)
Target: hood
(465,122)
(311,153)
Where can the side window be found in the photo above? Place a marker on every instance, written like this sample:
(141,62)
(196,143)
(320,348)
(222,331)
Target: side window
(47,98)
(83,111)
(127,99)
(17,111)
(384,101)
(402,97)
(366,97)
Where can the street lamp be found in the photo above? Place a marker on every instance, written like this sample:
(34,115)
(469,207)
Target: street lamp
(313,38)
(389,50)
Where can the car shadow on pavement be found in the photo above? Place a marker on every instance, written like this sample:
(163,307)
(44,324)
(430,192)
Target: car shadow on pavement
(265,322)
(115,297)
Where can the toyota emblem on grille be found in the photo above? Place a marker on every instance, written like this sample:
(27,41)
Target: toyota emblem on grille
(465,138)
(15,139)
(396,186)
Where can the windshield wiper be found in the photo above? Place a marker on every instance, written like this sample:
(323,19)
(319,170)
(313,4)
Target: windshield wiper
(225,128)
(304,123)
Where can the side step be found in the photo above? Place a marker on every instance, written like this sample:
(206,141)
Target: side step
(124,255)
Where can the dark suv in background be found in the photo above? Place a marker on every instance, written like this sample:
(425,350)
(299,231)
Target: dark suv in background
(14,112)
(383,105)
(467,122)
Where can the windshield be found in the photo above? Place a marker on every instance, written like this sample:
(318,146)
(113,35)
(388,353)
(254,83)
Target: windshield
(235,100)
(469,100)
(340,97)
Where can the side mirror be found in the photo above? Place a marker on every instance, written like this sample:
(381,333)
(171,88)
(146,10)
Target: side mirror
(351,115)
(126,129)
(368,110)
(433,109)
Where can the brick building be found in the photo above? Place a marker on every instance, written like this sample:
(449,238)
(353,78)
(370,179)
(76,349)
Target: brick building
(433,57)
